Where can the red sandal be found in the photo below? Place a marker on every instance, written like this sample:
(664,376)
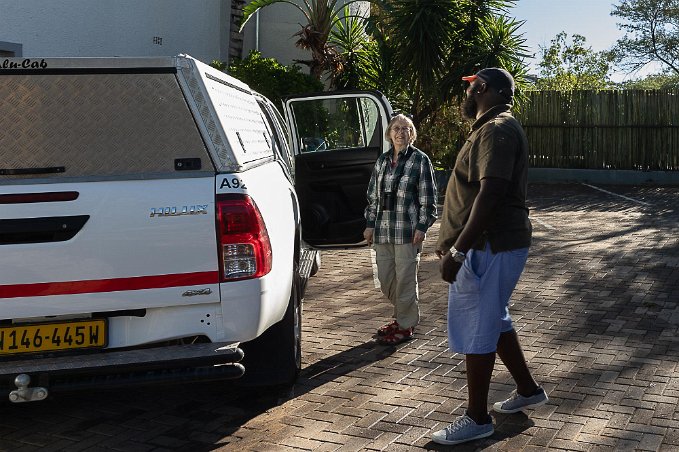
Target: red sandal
(387,329)
(396,337)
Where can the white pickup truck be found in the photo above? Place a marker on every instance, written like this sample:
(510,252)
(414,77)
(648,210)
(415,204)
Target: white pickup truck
(158,218)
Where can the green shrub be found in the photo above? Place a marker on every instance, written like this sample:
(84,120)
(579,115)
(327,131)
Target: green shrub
(269,77)
(442,134)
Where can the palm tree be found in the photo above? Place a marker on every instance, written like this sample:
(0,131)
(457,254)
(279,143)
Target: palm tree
(321,17)
(421,50)
(354,48)
(436,42)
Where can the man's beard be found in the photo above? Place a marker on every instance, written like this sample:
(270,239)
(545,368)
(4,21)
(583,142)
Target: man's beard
(469,107)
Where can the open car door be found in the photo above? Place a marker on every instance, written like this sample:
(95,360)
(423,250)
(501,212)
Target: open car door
(336,138)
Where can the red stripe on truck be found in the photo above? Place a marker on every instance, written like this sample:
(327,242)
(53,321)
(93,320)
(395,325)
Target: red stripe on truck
(108,285)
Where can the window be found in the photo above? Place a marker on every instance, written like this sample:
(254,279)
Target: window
(340,123)
(10,49)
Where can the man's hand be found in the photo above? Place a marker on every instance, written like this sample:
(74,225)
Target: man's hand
(368,235)
(448,266)
(418,237)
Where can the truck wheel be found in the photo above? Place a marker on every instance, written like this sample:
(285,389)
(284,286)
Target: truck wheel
(275,358)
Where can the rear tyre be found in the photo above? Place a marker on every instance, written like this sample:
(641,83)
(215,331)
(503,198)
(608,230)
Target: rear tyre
(275,358)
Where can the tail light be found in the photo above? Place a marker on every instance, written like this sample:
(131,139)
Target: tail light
(244,246)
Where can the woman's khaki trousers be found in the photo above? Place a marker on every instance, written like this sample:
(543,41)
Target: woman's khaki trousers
(397,272)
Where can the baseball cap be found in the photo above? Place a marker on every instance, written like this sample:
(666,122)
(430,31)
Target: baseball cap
(496,77)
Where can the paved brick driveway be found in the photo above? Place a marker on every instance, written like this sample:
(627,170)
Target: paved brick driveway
(598,318)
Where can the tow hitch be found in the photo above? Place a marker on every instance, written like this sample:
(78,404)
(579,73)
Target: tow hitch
(25,394)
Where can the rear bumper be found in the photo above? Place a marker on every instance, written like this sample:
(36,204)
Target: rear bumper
(212,361)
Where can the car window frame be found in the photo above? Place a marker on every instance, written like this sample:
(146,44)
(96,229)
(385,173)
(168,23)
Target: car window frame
(280,135)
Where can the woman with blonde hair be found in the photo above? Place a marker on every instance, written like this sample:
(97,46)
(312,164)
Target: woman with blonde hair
(401,207)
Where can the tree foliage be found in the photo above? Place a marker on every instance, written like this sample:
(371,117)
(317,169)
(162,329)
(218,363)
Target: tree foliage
(355,50)
(321,17)
(651,33)
(568,65)
(269,77)
(654,81)
(431,44)
(415,52)
(422,50)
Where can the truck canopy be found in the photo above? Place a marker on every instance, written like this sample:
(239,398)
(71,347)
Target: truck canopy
(125,117)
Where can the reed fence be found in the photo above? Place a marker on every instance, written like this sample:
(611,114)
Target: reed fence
(609,129)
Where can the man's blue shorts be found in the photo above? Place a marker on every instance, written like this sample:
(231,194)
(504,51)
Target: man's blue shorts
(478,300)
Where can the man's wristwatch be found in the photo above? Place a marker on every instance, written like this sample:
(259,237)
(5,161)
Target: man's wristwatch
(458,256)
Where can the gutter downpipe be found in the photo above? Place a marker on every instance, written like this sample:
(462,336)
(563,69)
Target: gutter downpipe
(257,31)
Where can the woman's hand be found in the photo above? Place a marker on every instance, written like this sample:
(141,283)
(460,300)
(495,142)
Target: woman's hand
(368,235)
(419,237)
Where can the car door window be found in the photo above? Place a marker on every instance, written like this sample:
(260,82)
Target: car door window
(336,138)
(339,123)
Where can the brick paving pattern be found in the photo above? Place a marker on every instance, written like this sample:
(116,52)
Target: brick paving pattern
(598,318)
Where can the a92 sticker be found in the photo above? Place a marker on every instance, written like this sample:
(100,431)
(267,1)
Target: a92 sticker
(232,183)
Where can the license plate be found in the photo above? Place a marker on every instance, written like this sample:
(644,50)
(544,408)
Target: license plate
(48,337)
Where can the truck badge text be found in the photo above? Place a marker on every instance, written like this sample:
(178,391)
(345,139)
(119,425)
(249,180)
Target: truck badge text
(24,64)
(177,211)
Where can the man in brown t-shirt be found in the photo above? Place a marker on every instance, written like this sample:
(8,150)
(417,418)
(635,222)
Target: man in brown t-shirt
(483,246)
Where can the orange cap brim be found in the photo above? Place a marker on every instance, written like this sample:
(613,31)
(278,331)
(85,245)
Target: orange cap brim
(470,78)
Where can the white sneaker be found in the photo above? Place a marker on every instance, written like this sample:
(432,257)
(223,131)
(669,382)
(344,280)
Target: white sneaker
(516,402)
(463,429)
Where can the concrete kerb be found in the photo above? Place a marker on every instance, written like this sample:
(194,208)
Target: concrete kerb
(589,176)
(603,177)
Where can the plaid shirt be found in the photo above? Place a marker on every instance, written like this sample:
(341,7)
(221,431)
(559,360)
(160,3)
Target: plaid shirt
(415,205)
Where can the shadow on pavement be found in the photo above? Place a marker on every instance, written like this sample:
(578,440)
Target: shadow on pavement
(343,363)
(506,426)
(188,416)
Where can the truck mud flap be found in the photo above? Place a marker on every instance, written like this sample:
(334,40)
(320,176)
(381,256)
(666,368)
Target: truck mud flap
(173,364)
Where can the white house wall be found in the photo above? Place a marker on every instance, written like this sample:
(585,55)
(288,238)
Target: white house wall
(53,28)
(277,24)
